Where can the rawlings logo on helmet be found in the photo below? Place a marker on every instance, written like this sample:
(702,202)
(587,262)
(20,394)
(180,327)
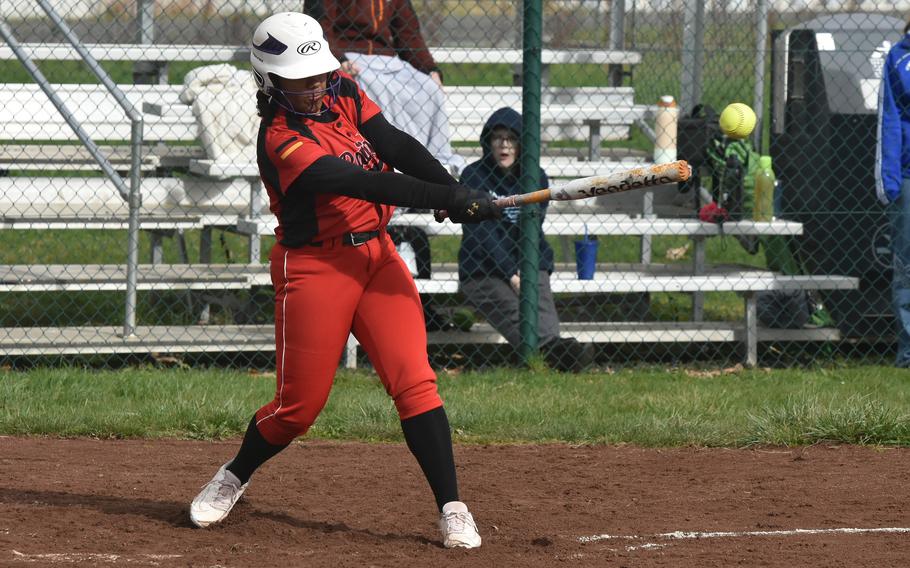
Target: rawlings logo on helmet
(309,48)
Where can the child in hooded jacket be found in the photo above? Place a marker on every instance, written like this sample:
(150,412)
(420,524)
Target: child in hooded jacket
(489,257)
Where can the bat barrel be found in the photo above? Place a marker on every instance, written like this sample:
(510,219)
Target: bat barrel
(618,182)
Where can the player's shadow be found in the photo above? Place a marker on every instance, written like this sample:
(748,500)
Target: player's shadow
(177,515)
(328,528)
(167,512)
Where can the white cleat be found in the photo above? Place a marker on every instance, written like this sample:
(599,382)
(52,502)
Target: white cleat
(458,527)
(216,499)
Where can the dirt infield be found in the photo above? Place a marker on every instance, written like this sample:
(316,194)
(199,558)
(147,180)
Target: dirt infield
(113,503)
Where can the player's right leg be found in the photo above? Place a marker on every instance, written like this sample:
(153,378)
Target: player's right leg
(316,293)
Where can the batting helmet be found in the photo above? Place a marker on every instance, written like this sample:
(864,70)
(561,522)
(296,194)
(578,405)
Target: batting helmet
(290,45)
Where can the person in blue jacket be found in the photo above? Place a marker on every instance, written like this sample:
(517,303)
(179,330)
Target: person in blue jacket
(892,179)
(489,257)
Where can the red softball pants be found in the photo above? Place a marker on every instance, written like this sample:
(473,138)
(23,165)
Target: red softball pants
(321,295)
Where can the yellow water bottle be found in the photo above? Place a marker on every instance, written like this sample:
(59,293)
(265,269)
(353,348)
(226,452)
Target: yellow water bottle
(764,191)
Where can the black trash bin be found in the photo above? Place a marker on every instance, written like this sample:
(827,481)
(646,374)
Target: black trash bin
(826,74)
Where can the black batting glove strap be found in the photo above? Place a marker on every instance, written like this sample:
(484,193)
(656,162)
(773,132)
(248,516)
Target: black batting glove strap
(472,206)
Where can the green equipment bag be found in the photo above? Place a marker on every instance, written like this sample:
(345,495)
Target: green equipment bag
(733,165)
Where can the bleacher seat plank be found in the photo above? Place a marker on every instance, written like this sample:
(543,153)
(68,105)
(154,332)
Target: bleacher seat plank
(94,200)
(107,277)
(95,222)
(644,332)
(557,167)
(164,101)
(576,223)
(241,54)
(647,282)
(26,341)
(659,278)
(573,223)
(94,107)
(54,157)
(61,157)
(147,339)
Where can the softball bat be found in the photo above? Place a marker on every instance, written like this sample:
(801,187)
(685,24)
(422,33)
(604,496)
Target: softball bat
(595,186)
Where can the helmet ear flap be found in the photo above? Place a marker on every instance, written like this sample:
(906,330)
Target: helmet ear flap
(260,80)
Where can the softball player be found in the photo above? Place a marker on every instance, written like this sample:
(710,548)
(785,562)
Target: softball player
(326,155)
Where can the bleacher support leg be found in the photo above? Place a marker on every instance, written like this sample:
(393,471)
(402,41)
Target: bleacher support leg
(594,138)
(350,353)
(751,330)
(647,212)
(156,249)
(255,214)
(181,246)
(698,298)
(205,257)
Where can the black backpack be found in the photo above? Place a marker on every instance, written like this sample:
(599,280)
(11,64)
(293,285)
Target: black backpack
(694,134)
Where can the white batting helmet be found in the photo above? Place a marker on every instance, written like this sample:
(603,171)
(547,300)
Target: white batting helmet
(290,45)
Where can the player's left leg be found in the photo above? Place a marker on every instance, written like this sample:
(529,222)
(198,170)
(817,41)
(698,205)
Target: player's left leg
(389,325)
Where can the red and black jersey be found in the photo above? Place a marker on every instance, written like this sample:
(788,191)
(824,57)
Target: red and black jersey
(289,144)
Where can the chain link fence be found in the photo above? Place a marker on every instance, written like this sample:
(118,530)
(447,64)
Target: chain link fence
(652,276)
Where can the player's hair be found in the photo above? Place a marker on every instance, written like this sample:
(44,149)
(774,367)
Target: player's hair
(265,106)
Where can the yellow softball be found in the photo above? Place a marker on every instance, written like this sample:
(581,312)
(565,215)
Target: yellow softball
(737,120)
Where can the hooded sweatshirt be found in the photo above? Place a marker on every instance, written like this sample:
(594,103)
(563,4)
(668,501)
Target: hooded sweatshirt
(490,248)
(892,157)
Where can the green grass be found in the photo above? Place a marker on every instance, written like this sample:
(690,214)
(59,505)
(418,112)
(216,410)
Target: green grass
(643,406)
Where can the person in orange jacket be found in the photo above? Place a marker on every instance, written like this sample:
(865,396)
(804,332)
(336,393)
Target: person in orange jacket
(379,43)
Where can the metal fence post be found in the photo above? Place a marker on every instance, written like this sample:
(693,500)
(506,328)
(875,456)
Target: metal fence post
(530,166)
(617,37)
(693,55)
(758,103)
(147,72)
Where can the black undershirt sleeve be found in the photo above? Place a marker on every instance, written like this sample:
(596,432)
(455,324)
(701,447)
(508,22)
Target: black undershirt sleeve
(329,174)
(401,151)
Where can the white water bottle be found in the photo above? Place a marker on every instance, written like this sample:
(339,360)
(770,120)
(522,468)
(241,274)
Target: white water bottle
(665,130)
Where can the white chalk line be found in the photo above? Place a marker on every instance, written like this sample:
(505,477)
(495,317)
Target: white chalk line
(73,557)
(687,535)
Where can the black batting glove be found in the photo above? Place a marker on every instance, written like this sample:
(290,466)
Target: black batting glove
(472,206)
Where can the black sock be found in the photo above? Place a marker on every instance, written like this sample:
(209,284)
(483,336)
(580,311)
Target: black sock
(254,451)
(430,440)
